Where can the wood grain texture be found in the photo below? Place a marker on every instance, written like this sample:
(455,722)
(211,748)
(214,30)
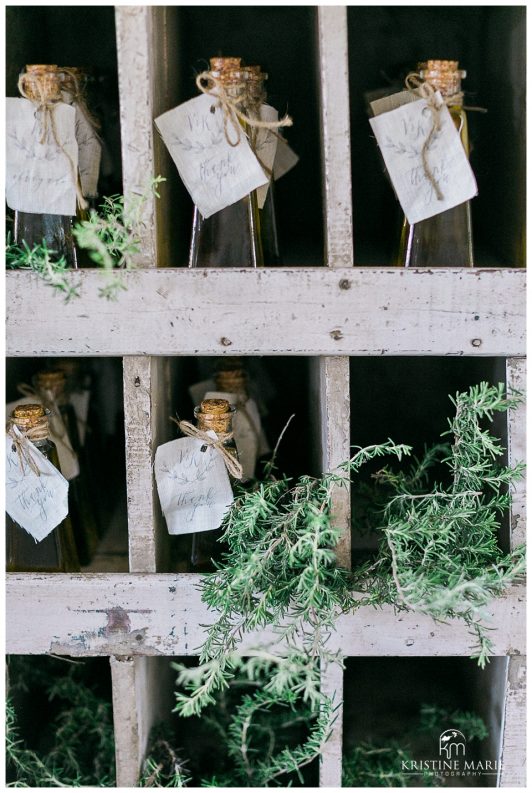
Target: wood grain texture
(516,422)
(319,311)
(513,773)
(134,40)
(332,684)
(126,723)
(336,147)
(162,614)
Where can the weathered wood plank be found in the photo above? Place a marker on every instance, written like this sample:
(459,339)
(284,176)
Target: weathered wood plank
(513,758)
(335,128)
(516,419)
(134,37)
(126,722)
(319,311)
(162,614)
(332,684)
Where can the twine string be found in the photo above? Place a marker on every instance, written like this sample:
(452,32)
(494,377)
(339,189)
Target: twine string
(21,441)
(46,108)
(234,468)
(57,425)
(213,86)
(415,83)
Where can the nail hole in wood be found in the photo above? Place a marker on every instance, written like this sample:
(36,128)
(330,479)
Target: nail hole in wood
(136,382)
(337,335)
(225,342)
(345,283)
(476,342)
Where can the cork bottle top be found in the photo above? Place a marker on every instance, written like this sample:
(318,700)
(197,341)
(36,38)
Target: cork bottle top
(215,414)
(443,76)
(215,406)
(26,417)
(220,64)
(232,380)
(51,380)
(42,82)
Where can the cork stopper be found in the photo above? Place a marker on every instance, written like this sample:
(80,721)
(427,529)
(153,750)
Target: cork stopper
(214,414)
(220,64)
(41,82)
(26,417)
(444,76)
(53,381)
(234,381)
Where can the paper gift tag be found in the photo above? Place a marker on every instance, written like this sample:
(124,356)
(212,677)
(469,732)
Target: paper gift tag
(285,159)
(38,503)
(38,175)
(215,173)
(193,485)
(246,430)
(68,459)
(80,402)
(265,148)
(89,155)
(401,134)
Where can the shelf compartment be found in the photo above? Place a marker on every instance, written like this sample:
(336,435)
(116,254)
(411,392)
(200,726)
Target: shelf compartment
(329,311)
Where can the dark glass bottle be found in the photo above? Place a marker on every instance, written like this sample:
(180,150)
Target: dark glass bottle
(216,415)
(57,552)
(51,384)
(444,240)
(268,219)
(44,82)
(231,237)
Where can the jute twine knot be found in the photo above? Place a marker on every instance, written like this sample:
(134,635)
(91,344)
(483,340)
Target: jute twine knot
(20,441)
(45,106)
(233,466)
(415,83)
(213,86)
(54,420)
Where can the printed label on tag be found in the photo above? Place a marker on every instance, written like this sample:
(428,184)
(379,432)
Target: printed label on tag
(246,429)
(89,155)
(215,173)
(39,175)
(38,503)
(80,402)
(285,159)
(198,390)
(193,485)
(68,459)
(401,135)
(265,148)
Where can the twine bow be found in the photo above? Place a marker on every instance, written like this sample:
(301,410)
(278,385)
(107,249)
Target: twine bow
(20,443)
(46,108)
(415,83)
(213,86)
(56,423)
(234,468)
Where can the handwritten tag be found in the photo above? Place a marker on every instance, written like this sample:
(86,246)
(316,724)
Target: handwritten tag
(37,503)
(215,173)
(89,150)
(68,459)
(246,429)
(197,391)
(80,402)
(401,134)
(38,175)
(285,159)
(193,485)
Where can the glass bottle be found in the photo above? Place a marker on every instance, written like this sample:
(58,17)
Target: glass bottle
(444,240)
(51,384)
(231,237)
(216,415)
(256,96)
(44,81)
(57,552)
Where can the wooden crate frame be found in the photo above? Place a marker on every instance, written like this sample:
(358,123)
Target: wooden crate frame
(140,617)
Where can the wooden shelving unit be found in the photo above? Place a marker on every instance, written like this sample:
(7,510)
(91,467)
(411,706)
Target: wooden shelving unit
(331,313)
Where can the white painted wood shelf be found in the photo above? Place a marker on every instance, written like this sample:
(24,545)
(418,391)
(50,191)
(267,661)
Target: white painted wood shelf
(329,314)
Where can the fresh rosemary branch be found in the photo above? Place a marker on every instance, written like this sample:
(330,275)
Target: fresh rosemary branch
(43,261)
(112,236)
